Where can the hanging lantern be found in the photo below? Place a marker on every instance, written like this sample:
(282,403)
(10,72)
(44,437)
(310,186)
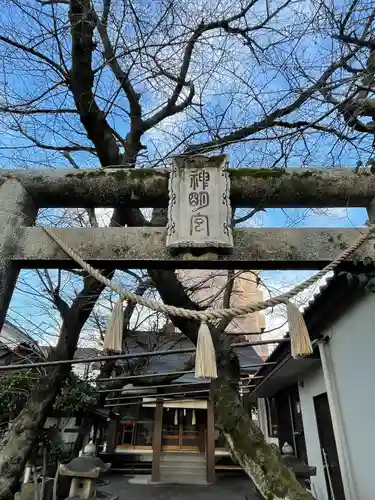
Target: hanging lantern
(193,420)
(176,417)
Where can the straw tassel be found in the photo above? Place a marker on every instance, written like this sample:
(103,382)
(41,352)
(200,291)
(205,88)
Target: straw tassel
(299,336)
(193,420)
(113,335)
(205,356)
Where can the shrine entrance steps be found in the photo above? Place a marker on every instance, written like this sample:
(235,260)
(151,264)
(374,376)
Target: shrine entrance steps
(183,468)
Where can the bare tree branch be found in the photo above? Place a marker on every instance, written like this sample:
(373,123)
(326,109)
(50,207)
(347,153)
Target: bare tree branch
(273,117)
(171,107)
(53,64)
(136,125)
(83,21)
(53,2)
(41,145)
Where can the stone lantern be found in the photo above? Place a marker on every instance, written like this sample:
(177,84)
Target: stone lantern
(84,471)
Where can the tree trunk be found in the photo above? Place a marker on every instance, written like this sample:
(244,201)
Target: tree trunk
(246,442)
(19,440)
(16,445)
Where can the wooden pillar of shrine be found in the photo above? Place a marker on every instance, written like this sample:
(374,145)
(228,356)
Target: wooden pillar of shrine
(210,448)
(157,442)
(112,436)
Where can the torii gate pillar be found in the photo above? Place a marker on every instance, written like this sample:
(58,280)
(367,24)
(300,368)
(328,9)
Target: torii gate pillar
(16,209)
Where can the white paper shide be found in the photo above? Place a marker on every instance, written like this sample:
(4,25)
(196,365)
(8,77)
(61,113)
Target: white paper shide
(199,212)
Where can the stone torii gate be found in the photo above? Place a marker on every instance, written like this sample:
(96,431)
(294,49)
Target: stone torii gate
(180,245)
(23,245)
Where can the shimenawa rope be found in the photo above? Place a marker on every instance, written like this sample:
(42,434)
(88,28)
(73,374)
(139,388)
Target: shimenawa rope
(230,313)
(300,341)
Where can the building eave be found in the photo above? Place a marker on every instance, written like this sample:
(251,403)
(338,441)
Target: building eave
(332,300)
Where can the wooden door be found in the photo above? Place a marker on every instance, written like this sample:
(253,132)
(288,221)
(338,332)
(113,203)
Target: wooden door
(328,448)
(180,430)
(189,430)
(171,429)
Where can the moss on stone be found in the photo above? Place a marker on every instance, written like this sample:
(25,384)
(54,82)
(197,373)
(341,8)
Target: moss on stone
(38,178)
(119,174)
(116,172)
(305,173)
(144,172)
(264,173)
(203,256)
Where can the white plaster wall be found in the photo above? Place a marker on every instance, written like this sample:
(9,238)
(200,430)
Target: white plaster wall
(262,417)
(262,422)
(312,384)
(351,356)
(64,423)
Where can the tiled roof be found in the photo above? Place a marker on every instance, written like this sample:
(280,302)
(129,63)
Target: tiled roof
(321,289)
(147,341)
(81,352)
(335,288)
(11,337)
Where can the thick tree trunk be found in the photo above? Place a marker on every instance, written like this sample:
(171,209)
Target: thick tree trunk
(247,445)
(16,445)
(245,440)
(18,442)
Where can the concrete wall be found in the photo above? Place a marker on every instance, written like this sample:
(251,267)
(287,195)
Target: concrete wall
(350,355)
(351,371)
(64,423)
(262,417)
(312,384)
(263,423)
